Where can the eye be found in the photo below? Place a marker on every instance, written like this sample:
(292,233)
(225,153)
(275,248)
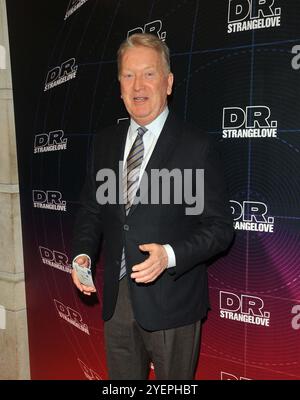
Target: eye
(149,74)
(128,75)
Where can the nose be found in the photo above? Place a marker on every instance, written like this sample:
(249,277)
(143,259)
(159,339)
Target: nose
(138,83)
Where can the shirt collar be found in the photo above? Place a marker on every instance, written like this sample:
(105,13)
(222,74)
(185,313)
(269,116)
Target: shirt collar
(154,127)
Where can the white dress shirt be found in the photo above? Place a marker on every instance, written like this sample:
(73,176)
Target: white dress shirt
(150,138)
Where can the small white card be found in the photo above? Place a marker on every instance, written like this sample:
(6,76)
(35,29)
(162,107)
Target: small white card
(84,275)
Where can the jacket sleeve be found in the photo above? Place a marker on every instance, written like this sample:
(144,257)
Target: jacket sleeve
(212,230)
(87,229)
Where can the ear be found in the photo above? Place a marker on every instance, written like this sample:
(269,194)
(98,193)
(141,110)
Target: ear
(170,83)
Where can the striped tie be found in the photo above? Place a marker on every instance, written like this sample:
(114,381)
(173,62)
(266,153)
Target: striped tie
(131,179)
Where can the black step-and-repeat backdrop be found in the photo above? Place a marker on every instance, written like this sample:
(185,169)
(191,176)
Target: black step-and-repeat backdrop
(237,75)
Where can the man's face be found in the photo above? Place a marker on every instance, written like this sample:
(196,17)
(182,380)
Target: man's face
(145,84)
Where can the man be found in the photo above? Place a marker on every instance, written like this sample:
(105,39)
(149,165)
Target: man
(155,280)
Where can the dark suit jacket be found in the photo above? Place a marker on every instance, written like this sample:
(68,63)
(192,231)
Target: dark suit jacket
(179,296)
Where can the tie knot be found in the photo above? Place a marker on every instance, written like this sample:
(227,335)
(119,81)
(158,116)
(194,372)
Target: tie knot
(141,130)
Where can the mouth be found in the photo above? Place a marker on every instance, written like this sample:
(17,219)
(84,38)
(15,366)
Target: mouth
(140,99)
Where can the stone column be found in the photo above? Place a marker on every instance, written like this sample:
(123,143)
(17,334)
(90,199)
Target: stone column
(14,359)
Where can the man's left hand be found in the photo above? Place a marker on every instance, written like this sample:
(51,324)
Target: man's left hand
(150,269)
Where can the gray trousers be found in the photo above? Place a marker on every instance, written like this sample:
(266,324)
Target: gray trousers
(130,349)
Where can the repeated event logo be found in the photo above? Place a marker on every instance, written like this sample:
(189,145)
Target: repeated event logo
(243,308)
(154,27)
(71,316)
(252,122)
(225,376)
(55,259)
(61,74)
(296,318)
(52,141)
(296,58)
(247,15)
(89,373)
(73,6)
(251,216)
(50,200)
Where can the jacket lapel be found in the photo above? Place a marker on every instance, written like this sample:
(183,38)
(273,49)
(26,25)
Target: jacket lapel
(164,147)
(120,142)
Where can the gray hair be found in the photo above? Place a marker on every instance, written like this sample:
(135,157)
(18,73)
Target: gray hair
(145,40)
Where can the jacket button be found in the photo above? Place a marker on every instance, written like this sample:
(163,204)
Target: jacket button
(126,227)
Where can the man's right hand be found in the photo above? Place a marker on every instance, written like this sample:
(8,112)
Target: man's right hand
(84,262)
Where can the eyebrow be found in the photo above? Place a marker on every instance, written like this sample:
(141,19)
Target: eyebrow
(147,67)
